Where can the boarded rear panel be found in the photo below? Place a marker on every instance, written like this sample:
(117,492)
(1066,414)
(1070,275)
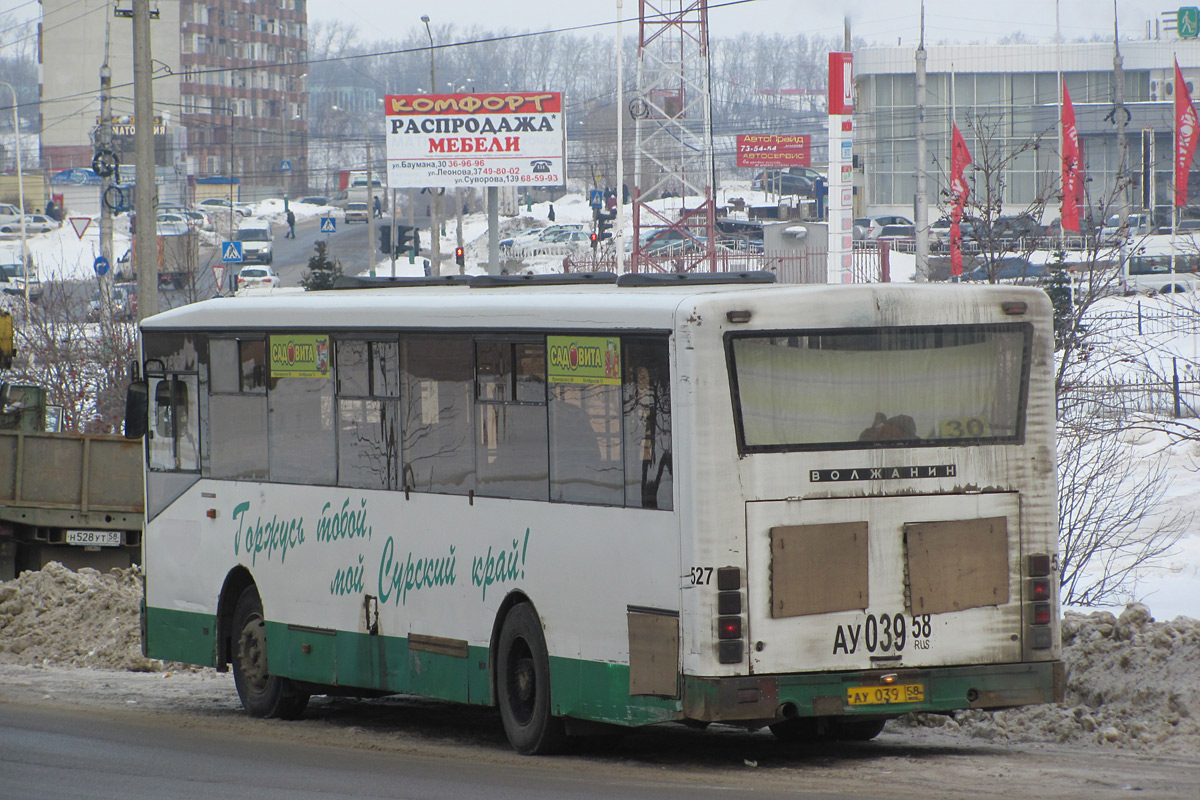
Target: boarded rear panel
(653,654)
(957,564)
(816,569)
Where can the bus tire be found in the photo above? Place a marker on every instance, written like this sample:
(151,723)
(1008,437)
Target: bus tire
(262,694)
(523,685)
(858,730)
(797,729)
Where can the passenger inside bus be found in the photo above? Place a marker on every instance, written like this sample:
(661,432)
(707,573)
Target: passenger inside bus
(899,427)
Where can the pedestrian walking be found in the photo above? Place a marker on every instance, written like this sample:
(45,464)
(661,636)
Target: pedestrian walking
(552,212)
(291,223)
(378,210)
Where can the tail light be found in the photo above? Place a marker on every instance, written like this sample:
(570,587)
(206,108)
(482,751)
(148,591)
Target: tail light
(731,644)
(1039,569)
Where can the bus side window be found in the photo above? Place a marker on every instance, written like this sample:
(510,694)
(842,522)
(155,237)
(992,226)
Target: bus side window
(438,441)
(511,444)
(646,404)
(237,408)
(585,446)
(174,444)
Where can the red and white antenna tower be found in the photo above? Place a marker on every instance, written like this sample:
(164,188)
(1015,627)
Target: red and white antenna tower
(673,141)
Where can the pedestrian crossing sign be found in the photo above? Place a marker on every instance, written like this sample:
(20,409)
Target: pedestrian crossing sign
(231,252)
(328,225)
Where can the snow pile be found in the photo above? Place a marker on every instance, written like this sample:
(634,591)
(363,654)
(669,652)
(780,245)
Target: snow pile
(1131,682)
(56,617)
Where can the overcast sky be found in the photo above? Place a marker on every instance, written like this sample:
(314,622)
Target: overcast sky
(877,21)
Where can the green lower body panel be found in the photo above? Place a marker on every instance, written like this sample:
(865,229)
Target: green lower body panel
(440,669)
(183,636)
(451,670)
(760,699)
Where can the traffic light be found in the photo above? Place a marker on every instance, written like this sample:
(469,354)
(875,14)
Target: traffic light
(459,256)
(406,239)
(603,223)
(595,240)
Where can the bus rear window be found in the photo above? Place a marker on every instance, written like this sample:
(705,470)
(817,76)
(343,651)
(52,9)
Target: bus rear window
(891,387)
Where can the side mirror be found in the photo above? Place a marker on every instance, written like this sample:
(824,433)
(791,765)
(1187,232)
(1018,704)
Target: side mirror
(137,409)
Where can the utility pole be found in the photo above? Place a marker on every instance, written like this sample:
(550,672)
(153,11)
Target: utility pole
(20,191)
(104,142)
(435,244)
(922,209)
(145,240)
(370,206)
(458,204)
(1121,118)
(619,237)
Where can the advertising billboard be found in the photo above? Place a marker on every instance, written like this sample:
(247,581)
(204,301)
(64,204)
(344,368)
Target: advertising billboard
(772,150)
(499,139)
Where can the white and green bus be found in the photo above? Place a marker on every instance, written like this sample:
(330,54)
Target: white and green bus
(599,503)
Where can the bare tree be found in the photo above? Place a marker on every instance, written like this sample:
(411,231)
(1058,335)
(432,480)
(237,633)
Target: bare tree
(1113,521)
(82,365)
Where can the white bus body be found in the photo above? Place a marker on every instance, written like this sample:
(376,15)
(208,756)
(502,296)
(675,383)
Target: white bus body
(814,508)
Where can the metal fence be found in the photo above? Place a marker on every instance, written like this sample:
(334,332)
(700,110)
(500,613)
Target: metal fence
(1121,397)
(1182,319)
(870,264)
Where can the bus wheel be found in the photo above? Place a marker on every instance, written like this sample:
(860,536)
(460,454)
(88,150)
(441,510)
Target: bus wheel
(523,686)
(262,694)
(798,729)
(858,730)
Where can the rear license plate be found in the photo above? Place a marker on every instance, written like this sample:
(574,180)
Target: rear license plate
(94,538)
(885,695)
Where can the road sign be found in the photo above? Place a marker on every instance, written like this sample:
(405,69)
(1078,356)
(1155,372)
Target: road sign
(231,252)
(101,266)
(328,225)
(80,224)
(595,198)
(219,274)
(1187,22)
(285,166)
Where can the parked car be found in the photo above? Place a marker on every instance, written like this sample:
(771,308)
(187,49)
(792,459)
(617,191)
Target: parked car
(901,237)
(522,238)
(1020,226)
(357,212)
(34,223)
(876,224)
(939,233)
(257,278)
(9,214)
(257,241)
(172,224)
(200,220)
(314,200)
(1135,225)
(793,180)
(216,205)
(123,302)
(13,277)
(1011,269)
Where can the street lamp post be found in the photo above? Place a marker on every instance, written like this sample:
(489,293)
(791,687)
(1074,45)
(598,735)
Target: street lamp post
(21,188)
(435,245)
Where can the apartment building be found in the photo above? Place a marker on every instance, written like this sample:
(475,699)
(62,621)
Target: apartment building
(229,89)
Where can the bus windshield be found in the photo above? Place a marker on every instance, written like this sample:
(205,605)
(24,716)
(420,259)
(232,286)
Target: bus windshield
(900,387)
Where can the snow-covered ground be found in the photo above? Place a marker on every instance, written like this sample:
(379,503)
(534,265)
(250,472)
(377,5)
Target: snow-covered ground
(1171,589)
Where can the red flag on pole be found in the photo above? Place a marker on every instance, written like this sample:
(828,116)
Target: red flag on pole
(1185,137)
(1072,171)
(960,157)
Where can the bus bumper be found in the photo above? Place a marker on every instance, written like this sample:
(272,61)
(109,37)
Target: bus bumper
(767,698)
